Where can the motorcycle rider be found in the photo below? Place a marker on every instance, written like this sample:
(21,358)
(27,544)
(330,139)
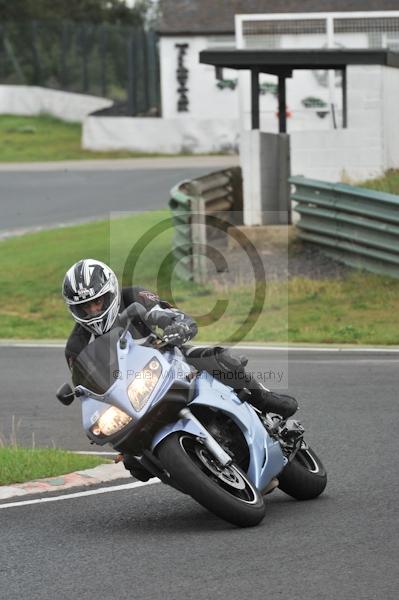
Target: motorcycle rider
(94,298)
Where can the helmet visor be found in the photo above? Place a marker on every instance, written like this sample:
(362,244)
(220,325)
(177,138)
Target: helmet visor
(92,309)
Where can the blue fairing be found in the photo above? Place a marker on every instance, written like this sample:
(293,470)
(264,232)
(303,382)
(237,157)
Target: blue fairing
(266,457)
(131,361)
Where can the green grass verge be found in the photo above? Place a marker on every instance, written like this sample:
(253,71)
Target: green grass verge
(24,464)
(44,138)
(355,310)
(389,182)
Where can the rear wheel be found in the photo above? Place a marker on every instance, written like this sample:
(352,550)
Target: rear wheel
(305,477)
(225,491)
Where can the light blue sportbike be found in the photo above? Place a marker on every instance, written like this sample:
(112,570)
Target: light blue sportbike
(188,429)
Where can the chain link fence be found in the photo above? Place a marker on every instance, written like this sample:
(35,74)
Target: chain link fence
(116,62)
(346,30)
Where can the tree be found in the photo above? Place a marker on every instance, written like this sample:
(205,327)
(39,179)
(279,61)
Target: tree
(91,11)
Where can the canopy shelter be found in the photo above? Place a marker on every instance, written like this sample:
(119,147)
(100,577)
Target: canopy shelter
(283,62)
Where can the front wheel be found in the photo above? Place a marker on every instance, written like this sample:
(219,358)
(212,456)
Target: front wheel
(305,477)
(225,491)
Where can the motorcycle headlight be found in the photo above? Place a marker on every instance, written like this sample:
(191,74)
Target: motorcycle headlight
(111,421)
(139,390)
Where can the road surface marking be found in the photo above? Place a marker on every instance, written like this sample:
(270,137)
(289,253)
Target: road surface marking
(106,490)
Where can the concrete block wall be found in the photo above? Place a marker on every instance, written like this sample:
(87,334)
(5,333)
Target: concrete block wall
(265,163)
(369,146)
(340,155)
(31,100)
(390,118)
(166,136)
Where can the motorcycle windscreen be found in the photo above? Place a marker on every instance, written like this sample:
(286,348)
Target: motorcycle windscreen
(96,367)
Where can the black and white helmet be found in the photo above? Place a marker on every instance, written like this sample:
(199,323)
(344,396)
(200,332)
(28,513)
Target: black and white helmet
(88,280)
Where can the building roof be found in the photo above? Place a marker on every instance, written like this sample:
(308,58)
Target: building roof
(195,17)
(275,61)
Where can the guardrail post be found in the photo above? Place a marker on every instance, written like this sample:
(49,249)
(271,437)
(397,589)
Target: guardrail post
(199,207)
(198,233)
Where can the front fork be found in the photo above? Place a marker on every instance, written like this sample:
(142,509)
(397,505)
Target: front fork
(209,442)
(188,422)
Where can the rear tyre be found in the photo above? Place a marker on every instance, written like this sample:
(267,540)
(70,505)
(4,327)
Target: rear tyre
(225,491)
(305,477)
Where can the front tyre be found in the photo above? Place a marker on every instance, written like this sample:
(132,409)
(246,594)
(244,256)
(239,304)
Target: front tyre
(305,477)
(225,491)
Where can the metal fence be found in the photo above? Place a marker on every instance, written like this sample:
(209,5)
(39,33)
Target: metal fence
(113,61)
(357,226)
(360,29)
(201,208)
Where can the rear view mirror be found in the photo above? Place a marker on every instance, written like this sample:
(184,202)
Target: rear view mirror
(65,394)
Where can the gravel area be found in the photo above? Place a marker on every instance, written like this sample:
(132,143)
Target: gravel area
(301,260)
(311,262)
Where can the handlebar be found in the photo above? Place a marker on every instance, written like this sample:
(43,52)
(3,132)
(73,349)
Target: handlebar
(137,311)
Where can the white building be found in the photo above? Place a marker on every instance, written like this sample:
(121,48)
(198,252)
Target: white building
(201,24)
(202,114)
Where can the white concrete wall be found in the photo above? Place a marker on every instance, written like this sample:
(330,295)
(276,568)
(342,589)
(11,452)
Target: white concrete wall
(366,149)
(206,101)
(349,155)
(265,168)
(155,135)
(390,117)
(30,100)
(340,155)
(365,97)
(369,146)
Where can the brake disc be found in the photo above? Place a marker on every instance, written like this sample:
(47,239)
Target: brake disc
(228,474)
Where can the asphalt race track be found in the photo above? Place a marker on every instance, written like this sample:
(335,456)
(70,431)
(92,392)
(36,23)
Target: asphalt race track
(152,542)
(39,199)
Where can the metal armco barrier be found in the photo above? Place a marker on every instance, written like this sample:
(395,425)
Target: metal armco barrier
(193,204)
(357,226)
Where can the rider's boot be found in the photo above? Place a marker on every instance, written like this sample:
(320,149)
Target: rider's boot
(260,397)
(267,401)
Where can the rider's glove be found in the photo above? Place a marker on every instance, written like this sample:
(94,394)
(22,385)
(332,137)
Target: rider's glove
(177,334)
